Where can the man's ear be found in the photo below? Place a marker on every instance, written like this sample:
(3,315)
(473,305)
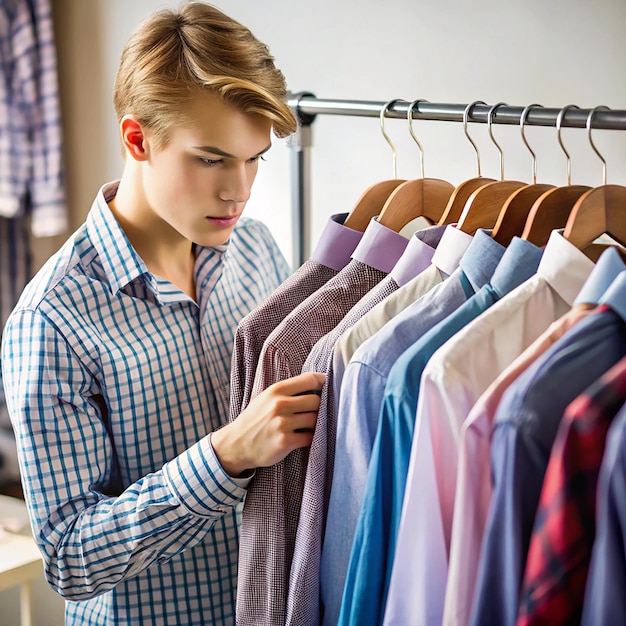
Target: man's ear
(134,138)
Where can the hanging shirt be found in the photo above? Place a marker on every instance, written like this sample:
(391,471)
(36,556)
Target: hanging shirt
(31,160)
(451,248)
(524,429)
(15,272)
(605,601)
(454,377)
(303,593)
(564,529)
(416,258)
(358,414)
(114,379)
(332,254)
(546,299)
(267,534)
(15,263)
(367,575)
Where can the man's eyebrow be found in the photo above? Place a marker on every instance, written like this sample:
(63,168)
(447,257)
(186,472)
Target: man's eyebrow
(227,155)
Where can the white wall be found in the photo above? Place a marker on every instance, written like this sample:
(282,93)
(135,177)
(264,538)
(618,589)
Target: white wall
(553,52)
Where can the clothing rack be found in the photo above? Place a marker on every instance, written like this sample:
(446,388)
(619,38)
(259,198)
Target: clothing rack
(306,107)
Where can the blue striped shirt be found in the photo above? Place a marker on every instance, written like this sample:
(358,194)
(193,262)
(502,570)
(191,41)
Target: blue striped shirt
(114,377)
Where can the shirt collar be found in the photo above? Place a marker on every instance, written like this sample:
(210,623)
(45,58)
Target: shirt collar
(519,262)
(120,261)
(564,267)
(607,268)
(615,295)
(336,244)
(454,242)
(380,247)
(481,258)
(418,254)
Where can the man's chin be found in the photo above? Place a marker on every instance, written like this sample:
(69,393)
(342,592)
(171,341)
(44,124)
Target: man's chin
(212,239)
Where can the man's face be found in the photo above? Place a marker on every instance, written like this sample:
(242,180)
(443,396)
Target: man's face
(200,181)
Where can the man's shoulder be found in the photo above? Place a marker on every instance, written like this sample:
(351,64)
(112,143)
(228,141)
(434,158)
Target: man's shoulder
(62,267)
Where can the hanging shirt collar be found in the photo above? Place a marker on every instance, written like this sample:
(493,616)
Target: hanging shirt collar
(336,244)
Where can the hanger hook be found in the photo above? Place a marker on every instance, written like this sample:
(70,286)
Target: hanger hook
(466,115)
(593,145)
(415,139)
(492,110)
(386,136)
(559,121)
(522,122)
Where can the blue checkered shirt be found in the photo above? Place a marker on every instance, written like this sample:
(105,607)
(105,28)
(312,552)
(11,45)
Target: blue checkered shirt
(114,378)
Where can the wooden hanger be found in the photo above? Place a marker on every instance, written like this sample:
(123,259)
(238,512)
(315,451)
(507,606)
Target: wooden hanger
(601,210)
(464,190)
(552,209)
(370,204)
(372,200)
(484,205)
(421,197)
(514,212)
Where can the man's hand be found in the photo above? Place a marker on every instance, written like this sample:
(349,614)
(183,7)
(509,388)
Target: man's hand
(277,421)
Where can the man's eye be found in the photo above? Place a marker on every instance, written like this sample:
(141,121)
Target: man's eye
(210,162)
(256,158)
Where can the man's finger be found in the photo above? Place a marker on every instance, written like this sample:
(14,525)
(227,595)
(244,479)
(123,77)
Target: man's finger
(309,381)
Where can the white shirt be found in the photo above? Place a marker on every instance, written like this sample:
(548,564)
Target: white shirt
(452,381)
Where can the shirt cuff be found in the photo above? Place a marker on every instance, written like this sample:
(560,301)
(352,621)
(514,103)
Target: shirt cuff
(201,484)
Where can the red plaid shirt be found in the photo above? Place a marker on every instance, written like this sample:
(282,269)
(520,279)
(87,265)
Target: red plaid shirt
(564,530)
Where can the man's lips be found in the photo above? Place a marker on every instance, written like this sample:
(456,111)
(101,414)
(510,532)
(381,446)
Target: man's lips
(226,220)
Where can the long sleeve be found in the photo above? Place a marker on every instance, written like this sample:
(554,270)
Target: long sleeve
(92,532)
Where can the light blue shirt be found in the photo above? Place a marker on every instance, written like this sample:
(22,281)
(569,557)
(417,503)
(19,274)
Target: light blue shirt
(114,378)
(371,559)
(368,369)
(523,432)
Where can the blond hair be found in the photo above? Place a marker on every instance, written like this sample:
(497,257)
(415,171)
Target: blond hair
(174,55)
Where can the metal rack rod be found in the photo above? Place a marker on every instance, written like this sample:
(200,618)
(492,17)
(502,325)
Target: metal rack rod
(306,107)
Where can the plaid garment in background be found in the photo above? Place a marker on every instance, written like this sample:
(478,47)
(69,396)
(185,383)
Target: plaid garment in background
(272,504)
(31,161)
(560,548)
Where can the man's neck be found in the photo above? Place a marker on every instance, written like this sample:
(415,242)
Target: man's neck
(164,251)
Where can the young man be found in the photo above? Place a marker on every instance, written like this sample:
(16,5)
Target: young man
(116,360)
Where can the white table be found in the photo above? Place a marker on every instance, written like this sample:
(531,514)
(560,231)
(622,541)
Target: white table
(20,560)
